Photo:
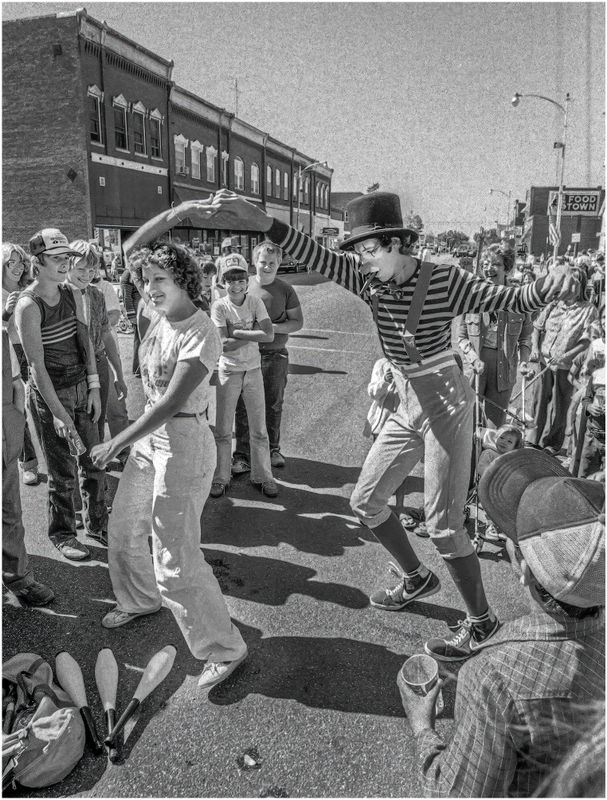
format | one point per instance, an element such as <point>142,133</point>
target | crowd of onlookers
<point>202,320</point>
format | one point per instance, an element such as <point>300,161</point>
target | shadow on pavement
<point>311,522</point>
<point>272,581</point>
<point>306,336</point>
<point>305,369</point>
<point>330,672</point>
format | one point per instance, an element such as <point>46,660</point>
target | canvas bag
<point>47,730</point>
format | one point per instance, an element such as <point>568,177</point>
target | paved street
<point>316,703</point>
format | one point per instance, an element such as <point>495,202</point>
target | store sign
<point>575,204</point>
<point>576,237</point>
<point>330,231</point>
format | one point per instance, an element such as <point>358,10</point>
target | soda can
<point>75,443</point>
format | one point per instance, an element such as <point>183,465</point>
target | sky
<point>413,96</point>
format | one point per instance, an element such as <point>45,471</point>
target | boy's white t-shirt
<point>227,315</point>
<point>166,343</point>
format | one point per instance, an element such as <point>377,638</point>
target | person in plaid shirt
<point>522,702</point>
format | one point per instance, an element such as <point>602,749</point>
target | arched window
<point>307,190</point>
<point>269,181</point>
<point>238,173</point>
<point>285,185</point>
<point>254,178</point>
<point>277,183</point>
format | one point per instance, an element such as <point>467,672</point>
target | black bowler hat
<point>373,215</point>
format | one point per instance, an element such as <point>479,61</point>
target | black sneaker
<point>277,459</point>
<point>405,591</point>
<point>466,640</point>
<point>35,594</point>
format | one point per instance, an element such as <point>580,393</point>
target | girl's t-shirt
<point>227,315</point>
<point>166,343</point>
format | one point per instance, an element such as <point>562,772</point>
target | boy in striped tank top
<point>413,308</point>
<point>65,392</point>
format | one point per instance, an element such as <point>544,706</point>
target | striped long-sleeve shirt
<point>521,704</point>
<point>452,291</point>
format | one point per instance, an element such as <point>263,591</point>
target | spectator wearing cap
<point>230,257</point>
<point>282,304</point>
<point>521,703</point>
<point>243,321</point>
<point>66,401</point>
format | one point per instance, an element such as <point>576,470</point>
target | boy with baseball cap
<point>243,321</point>
<point>522,701</point>
<point>65,396</point>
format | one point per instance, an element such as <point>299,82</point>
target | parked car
<point>289,264</point>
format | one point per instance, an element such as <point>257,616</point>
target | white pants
<point>162,492</point>
<point>230,386</point>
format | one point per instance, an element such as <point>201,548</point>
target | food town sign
<point>580,203</point>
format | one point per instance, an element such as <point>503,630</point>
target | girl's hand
<point>102,454</point>
<point>11,302</point>
<point>121,389</point>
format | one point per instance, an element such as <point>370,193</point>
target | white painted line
<point>321,349</point>
<point>327,330</point>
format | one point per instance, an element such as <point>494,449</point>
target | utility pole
<point>236,93</point>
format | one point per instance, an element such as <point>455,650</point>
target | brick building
<point>97,138</point>
<point>581,220</point>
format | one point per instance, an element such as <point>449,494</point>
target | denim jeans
<point>63,468</point>
<point>162,492</point>
<point>28,459</point>
<point>495,403</point>
<point>434,419</point>
<point>16,573</point>
<point>274,370</point>
<point>230,385</point>
<point>552,404</point>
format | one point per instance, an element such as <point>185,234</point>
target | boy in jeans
<point>243,322</point>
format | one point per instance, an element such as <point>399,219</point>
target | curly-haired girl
<point>168,475</point>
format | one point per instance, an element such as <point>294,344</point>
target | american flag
<point>554,234</point>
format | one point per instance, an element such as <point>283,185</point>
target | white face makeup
<point>383,262</point>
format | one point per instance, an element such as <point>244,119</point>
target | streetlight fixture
<point>300,172</point>
<point>564,109</point>
<point>508,196</point>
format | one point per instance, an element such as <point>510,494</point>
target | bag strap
<point>415,311</point>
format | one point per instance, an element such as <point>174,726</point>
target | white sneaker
<point>215,672</point>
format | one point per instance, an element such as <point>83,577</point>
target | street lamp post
<point>300,172</point>
<point>564,111</point>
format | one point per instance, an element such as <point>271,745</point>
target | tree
<point>413,221</point>
<point>490,236</point>
<point>452,238</point>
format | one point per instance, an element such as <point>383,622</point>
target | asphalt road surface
<point>315,705</point>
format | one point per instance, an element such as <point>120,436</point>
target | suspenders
<point>417,304</point>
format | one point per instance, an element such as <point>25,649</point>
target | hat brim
<point>504,482</point>
<point>59,251</point>
<point>352,240</point>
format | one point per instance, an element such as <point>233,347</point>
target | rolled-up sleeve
<point>480,760</point>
